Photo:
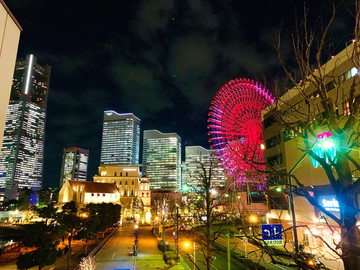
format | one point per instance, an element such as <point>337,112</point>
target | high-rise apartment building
<point>9,40</point>
<point>162,160</point>
<point>74,165</point>
<point>198,158</point>
<point>121,139</point>
<point>22,152</point>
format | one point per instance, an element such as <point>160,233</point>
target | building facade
<point>121,139</point>
<point>74,164</point>
<point>10,31</point>
<point>127,180</point>
<point>85,192</point>
<point>162,160</point>
<point>196,158</point>
<point>284,148</point>
<point>22,152</point>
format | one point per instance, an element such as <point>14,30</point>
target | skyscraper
<point>121,139</point>
<point>74,164</point>
<point>162,159</point>
<point>198,158</point>
<point>22,152</point>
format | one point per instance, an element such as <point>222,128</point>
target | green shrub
<point>169,255</point>
<point>161,245</point>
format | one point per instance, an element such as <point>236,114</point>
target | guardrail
<point>12,226</point>
<point>102,243</point>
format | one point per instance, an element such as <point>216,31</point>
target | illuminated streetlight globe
<point>235,128</point>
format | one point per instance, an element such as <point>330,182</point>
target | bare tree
<point>324,99</point>
<point>209,200</point>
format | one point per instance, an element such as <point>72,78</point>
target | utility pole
<point>177,232</point>
<point>228,251</point>
<point>291,201</point>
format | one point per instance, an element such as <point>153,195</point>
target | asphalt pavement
<point>117,252</point>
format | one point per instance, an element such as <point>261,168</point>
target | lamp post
<point>187,245</point>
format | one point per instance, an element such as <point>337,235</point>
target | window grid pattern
<point>196,158</point>
<point>162,160</point>
<point>120,141</point>
<point>22,153</point>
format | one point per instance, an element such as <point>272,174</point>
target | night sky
<point>162,60</point>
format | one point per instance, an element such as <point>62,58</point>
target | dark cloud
<point>162,60</point>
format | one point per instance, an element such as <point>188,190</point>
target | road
<point>116,253</point>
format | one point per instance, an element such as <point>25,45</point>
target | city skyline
<point>162,61</point>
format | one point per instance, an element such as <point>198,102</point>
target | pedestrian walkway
<point>117,252</point>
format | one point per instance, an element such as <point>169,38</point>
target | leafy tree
<point>26,261</point>
<point>69,222</point>
<point>48,212</point>
<point>43,238</point>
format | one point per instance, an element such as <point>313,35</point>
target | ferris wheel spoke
<point>235,125</point>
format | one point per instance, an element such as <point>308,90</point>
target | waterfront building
<point>162,160</point>
<point>120,139</point>
<point>74,164</point>
<point>22,152</point>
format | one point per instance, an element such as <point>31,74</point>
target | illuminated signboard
<point>330,204</point>
<point>327,144</point>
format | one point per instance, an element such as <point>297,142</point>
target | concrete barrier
<point>102,243</point>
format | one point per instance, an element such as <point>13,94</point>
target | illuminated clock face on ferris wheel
<point>235,128</point>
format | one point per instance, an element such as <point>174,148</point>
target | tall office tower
<point>197,158</point>
<point>121,139</point>
<point>74,165</point>
<point>21,161</point>
<point>9,40</point>
<point>162,160</point>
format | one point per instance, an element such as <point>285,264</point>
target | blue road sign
<point>272,234</point>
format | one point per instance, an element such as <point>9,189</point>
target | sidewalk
<point>116,253</point>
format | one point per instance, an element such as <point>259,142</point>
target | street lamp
<point>253,219</point>
<point>187,245</point>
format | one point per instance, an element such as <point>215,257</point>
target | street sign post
<point>272,234</point>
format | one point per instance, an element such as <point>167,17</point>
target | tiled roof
<point>94,187</point>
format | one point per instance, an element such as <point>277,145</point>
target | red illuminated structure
<point>235,129</point>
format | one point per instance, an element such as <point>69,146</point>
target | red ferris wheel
<point>235,128</point>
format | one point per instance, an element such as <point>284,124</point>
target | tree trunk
<point>350,233</point>
<point>69,252</point>
<point>86,245</point>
